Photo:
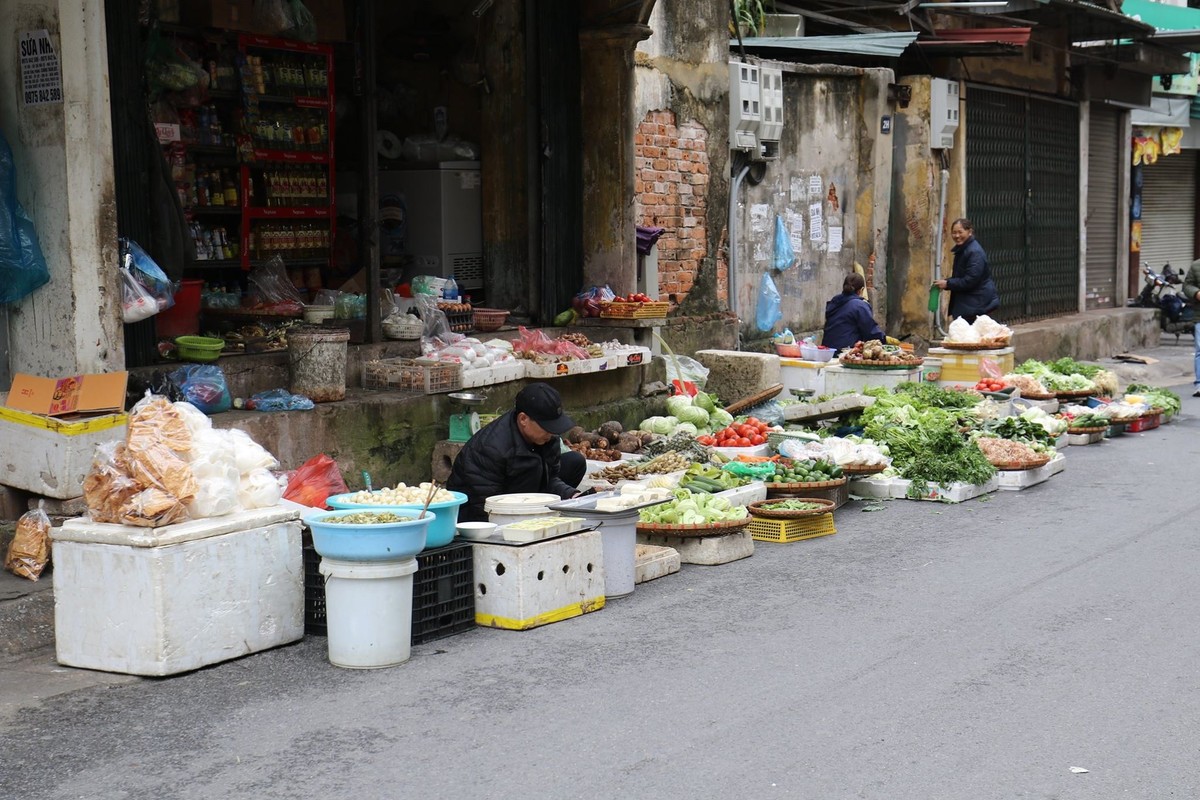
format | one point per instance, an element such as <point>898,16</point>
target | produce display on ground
<point>1065,375</point>
<point>632,470</point>
<point>1010,453</point>
<point>750,433</point>
<point>878,353</point>
<point>1158,397</point>
<point>807,471</point>
<point>607,442</point>
<point>692,508</point>
<point>709,478</point>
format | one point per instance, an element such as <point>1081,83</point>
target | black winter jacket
<point>498,460</point>
<point>848,320</point>
<point>972,291</point>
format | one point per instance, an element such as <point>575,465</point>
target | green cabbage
<point>685,427</point>
<point>696,416</point>
<point>719,419</point>
<point>678,403</point>
<point>663,425</point>
<point>706,401</point>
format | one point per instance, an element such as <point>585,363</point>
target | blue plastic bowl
<point>445,513</point>
<point>388,541</point>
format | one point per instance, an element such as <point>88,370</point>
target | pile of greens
<point>928,395</point>
<point>1020,429</point>
<point>1165,399</point>
<point>688,508</point>
<point>1056,381</point>
<point>926,444</point>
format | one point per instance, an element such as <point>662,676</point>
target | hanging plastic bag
<point>137,303</point>
<point>687,375</point>
<point>148,273</point>
<point>29,551</point>
<point>204,386</point>
<point>22,265</point>
<point>785,256</point>
<point>303,27</point>
<point>271,16</point>
<point>769,310</point>
<point>275,290</point>
<point>316,480</point>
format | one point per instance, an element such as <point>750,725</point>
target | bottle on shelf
<point>450,290</point>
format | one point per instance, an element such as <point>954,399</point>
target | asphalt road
<point>926,651</point>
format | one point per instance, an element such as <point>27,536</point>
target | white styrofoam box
<point>1057,464</point>
<point>753,451</point>
<point>1049,406</point>
<point>497,373</point>
<point>1085,438</point>
<point>795,373</point>
<point>706,550</point>
<point>871,487</point>
<point>840,379</point>
<point>48,456</point>
<point>558,370</point>
<point>744,495</point>
<point>1016,479</point>
<point>160,601</point>
<point>517,588</point>
<point>1061,442</point>
<point>954,493</point>
<point>632,357</point>
<point>655,562</point>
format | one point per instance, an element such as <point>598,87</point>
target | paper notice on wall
<point>759,217</point>
<point>835,239</point>
<point>816,223</point>
<point>795,223</point>
<point>41,76</point>
<point>796,189</point>
<point>816,186</point>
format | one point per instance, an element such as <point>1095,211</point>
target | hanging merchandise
<point>302,25</point>
<point>785,256</point>
<point>147,272</point>
<point>22,265</point>
<point>137,303</point>
<point>769,309</point>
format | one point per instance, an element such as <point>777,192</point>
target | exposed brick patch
<point>671,186</point>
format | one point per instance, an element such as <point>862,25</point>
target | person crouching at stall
<point>848,317</point>
<point>519,452</point>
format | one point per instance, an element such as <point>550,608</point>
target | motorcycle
<point>1176,315</point>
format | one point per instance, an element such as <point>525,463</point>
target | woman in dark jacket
<point>848,317</point>
<point>972,291</point>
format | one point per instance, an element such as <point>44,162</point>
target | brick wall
<point>671,188</point>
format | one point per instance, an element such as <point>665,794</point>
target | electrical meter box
<point>770,128</point>
<point>943,112</point>
<point>745,106</point>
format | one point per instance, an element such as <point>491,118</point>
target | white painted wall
<point>64,165</point>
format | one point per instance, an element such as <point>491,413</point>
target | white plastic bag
<point>137,303</point>
<point>259,489</point>
<point>214,464</point>
<point>250,455</point>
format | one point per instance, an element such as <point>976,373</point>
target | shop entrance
<point>1023,197</point>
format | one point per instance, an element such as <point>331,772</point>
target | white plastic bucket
<point>504,509</point>
<point>620,557</point>
<point>368,611</point>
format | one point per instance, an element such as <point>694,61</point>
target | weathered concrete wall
<point>833,178</point>
<point>681,105</point>
<point>1088,336</point>
<point>63,154</point>
<point>916,199</point>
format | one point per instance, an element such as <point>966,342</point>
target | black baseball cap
<point>543,404</point>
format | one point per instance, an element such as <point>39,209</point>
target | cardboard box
<point>232,15</point>
<point>76,394</point>
<point>963,366</point>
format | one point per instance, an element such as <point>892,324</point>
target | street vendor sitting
<point>848,317</point>
<point>519,452</point>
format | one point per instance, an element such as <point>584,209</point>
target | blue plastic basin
<point>388,541</point>
<point>445,513</point>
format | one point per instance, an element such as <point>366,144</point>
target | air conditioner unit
<point>745,106</point>
<point>943,113</point>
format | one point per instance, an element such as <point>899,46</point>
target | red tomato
<point>745,429</point>
<point>743,442</point>
<point>757,439</point>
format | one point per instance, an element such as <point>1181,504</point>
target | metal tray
<point>586,506</point>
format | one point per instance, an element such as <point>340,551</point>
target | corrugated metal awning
<point>879,45</point>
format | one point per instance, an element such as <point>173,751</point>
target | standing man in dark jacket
<point>972,291</point>
<point>848,317</point>
<point>518,452</point>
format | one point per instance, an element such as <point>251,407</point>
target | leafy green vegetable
<point>925,444</point>
<point>926,395</point>
<point>1165,399</point>
<point>689,508</point>
<point>1019,429</point>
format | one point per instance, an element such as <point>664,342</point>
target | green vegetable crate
<point>783,531</point>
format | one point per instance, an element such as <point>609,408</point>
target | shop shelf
<point>215,211</point>
<point>291,156</point>
<point>289,212</point>
<point>443,592</point>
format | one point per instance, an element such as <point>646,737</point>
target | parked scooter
<point>1159,291</point>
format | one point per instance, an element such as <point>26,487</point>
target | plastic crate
<point>314,594</point>
<point>790,530</point>
<point>407,375</point>
<point>1147,423</point>
<point>443,592</point>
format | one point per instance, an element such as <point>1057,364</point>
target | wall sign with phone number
<point>41,74</point>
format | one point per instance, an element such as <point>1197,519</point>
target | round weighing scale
<point>464,425</point>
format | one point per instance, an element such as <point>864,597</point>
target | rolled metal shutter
<point>1104,164</point>
<point>1169,211</point>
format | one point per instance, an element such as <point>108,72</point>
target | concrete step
<point>26,614</point>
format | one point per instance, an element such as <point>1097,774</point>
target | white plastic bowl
<point>475,531</point>
<point>809,353</point>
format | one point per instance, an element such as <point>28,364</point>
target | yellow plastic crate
<point>790,530</point>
